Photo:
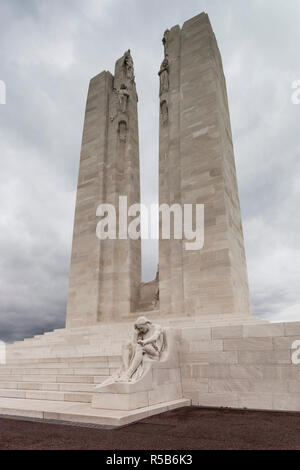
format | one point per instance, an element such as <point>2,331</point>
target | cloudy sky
<point>49,51</point>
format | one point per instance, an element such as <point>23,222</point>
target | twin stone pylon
<point>196,166</point>
<point>105,274</point>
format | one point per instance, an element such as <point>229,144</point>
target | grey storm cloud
<point>49,52</point>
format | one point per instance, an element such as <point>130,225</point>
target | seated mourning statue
<point>148,342</point>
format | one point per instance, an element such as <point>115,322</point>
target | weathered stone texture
<point>197,166</point>
<point>105,274</point>
<point>254,369</point>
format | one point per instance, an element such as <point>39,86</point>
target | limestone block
<point>264,357</point>
<point>286,401</point>
<point>196,384</point>
<point>205,346</point>
<point>267,386</point>
<point>164,393</point>
<point>7,378</point>
<point>229,385</point>
<point>41,378</point>
<point>78,397</point>
<point>65,372</point>
<point>228,357</point>
<point>193,396</point>
<point>285,342</point>
<point>9,385</point>
<point>293,386</point>
<point>73,378</point>
<point>252,372</point>
<point>28,386</point>
<point>210,371</point>
<point>258,401</point>
<point>292,329</point>
<point>248,344</point>
<point>95,371</point>
<point>52,387</point>
<point>256,331</point>
<point>186,371</point>
<point>120,401</point>
<point>44,395</point>
<point>223,400</point>
<point>225,332</point>
<point>22,413</point>
<point>281,372</point>
<point>196,334</point>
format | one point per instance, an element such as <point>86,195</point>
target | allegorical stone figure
<point>148,341</point>
<point>123,96</point>
<point>164,76</point>
<point>164,112</point>
<point>128,65</point>
<point>122,129</point>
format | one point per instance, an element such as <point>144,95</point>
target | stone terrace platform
<point>225,361</point>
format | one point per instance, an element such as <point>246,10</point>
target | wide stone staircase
<point>59,379</point>
<point>53,376</point>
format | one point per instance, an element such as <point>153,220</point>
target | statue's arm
<point>155,336</point>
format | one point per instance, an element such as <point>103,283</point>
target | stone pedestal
<point>161,382</point>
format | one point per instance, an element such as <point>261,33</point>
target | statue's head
<point>142,324</point>
<point>127,55</point>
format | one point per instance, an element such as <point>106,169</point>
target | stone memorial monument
<point>195,339</point>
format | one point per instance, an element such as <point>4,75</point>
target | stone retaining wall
<point>241,366</point>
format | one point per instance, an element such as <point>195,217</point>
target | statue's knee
<point>139,349</point>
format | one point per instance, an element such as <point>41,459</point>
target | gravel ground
<point>183,429</point>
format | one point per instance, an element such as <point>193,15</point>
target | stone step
<point>74,371</point>
<point>81,397</point>
<point>65,360</point>
<point>95,340</point>
<point>102,341</point>
<point>107,333</point>
<point>62,371</point>
<point>76,412</point>
<point>54,378</point>
<point>52,386</point>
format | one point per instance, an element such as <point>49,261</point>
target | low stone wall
<point>244,366</point>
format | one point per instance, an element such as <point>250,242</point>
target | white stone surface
<point>81,413</point>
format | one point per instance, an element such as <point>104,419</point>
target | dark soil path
<point>183,429</point>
